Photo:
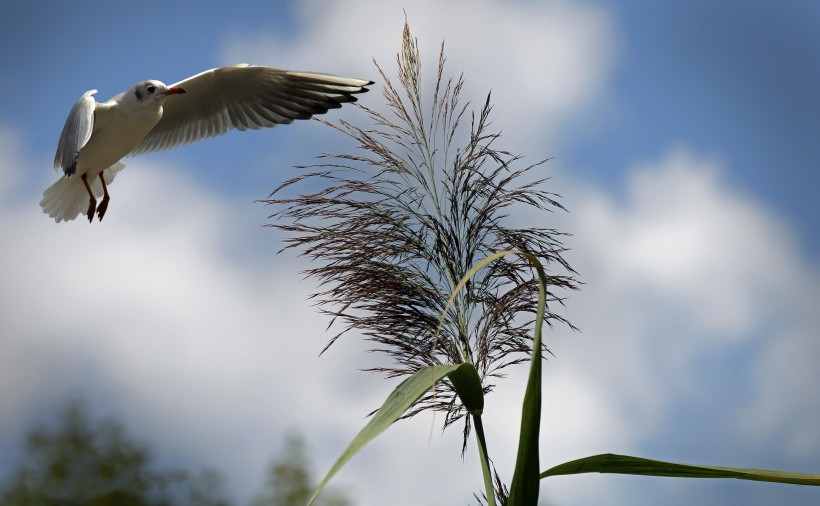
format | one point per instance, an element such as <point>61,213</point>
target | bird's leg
<point>92,206</point>
<point>104,204</point>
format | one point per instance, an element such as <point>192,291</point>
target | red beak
<point>174,91</point>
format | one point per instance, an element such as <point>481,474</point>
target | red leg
<point>104,204</point>
<point>91,205</point>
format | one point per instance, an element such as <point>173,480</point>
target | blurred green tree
<point>97,464</point>
<point>79,462</point>
<point>289,481</point>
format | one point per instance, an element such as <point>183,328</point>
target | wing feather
<point>245,97</point>
<point>76,132</point>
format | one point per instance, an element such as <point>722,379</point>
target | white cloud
<point>544,61</point>
<point>208,358</point>
<point>150,314</point>
<point>785,410</point>
<point>687,237</point>
<point>681,271</point>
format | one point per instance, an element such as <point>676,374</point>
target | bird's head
<point>152,91</point>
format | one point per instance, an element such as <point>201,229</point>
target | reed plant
<point>414,246</point>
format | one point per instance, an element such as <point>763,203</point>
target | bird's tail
<point>67,198</point>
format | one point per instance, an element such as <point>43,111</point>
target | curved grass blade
<point>624,464</point>
<point>525,482</point>
<point>463,281</point>
<point>397,403</point>
<point>467,382</point>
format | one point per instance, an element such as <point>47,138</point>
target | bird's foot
<point>92,206</point>
<point>102,208</point>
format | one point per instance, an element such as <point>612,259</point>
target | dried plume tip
<point>392,229</point>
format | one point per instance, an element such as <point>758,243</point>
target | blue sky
<point>733,78</point>
<point>684,143</point>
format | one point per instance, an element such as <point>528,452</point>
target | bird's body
<point>119,126</point>
<point>151,116</point>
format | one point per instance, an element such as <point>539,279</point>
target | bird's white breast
<point>118,128</point>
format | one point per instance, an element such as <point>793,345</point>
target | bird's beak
<point>174,91</point>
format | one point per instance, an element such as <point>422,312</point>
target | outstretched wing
<point>243,97</point>
<point>76,132</point>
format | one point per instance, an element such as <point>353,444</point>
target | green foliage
<point>624,464</point>
<point>80,462</point>
<point>290,483</point>
<point>524,487</point>
<point>83,463</point>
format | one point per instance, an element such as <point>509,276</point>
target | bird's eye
<point>151,89</point>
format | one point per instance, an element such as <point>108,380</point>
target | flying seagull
<point>151,116</point>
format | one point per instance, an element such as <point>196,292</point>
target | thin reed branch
<point>391,229</point>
